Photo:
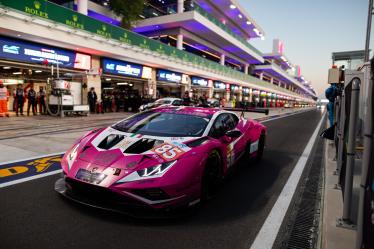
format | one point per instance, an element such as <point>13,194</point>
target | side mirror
<point>233,133</point>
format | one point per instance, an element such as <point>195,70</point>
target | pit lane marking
<point>14,172</point>
<point>268,233</point>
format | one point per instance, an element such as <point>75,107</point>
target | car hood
<point>117,154</point>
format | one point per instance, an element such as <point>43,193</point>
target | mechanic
<point>19,98</point>
<point>4,97</point>
<point>31,96</point>
<point>92,98</point>
<point>331,93</point>
<point>41,97</point>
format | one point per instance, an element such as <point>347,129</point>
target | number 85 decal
<point>168,151</point>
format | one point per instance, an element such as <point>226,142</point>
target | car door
<point>223,123</point>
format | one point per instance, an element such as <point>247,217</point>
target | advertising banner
<point>197,81</point>
<point>165,75</point>
<point>112,66</point>
<point>23,51</point>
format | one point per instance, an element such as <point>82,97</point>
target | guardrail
<point>59,14</point>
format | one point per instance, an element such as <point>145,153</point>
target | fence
<point>353,122</point>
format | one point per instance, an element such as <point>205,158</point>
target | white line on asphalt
<point>32,158</point>
<point>269,230</point>
<point>5,184</point>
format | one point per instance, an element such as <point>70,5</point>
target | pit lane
<point>33,216</point>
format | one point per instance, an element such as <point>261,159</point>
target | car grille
<point>99,194</point>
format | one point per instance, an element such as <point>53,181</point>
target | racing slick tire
<point>212,176</point>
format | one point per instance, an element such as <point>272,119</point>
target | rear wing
<point>247,109</point>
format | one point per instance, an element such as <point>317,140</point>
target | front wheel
<point>211,177</point>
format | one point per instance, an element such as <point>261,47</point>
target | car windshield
<point>163,101</point>
<point>164,124</point>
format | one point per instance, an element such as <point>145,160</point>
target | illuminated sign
<point>36,53</point>
<point>197,81</point>
<point>122,68</point>
<point>234,88</point>
<point>165,75</point>
<point>256,92</point>
<point>11,81</point>
<point>219,85</point>
<point>147,73</point>
<point>246,91</point>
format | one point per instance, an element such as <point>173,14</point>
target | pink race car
<point>159,159</point>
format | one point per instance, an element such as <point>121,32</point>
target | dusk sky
<point>311,30</point>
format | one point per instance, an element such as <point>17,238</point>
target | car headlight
<point>148,173</point>
<point>159,169</point>
<point>72,155</point>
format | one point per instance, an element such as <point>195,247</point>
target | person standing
<point>92,99</point>
<point>331,94</point>
<point>31,96</point>
<point>19,98</point>
<point>222,102</point>
<point>4,97</point>
<point>186,99</point>
<point>41,97</point>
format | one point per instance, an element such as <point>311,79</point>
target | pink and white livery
<point>159,159</point>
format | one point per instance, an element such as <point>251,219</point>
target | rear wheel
<point>211,177</point>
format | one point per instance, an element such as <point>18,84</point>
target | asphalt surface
<point>34,216</point>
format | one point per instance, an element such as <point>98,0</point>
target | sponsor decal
<point>22,169</point>
<point>170,151</point>
<point>181,145</point>
<point>74,22</point>
<point>125,38</point>
<point>157,158</point>
<point>35,10</point>
<point>103,32</point>
<point>117,172</point>
<point>11,49</point>
<point>136,135</point>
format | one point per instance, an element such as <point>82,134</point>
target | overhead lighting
<point>249,23</point>
<point>15,73</point>
<point>19,35</point>
<point>108,79</point>
<point>108,88</point>
<point>130,84</point>
<point>240,16</point>
<point>122,83</point>
<point>232,6</point>
<point>38,71</point>
<point>6,67</point>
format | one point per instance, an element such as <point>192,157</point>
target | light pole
<point>368,29</point>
